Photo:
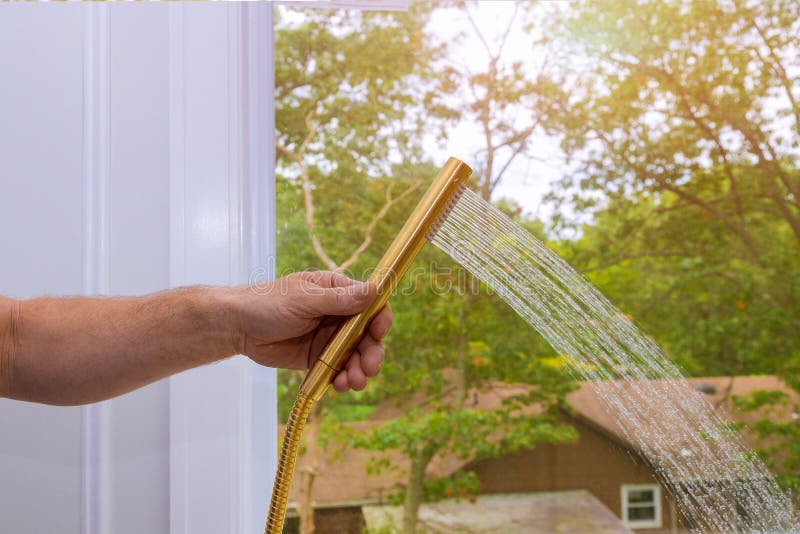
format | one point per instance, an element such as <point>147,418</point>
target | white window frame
<point>625,490</point>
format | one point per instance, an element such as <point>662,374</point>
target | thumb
<point>344,300</point>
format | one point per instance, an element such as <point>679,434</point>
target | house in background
<point>599,478</point>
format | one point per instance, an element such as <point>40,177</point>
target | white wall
<point>40,236</point>
<point>135,155</point>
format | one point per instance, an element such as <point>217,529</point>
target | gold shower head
<point>423,223</point>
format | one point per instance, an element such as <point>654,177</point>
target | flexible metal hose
<point>283,475</point>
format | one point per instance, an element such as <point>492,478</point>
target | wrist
<point>214,312</point>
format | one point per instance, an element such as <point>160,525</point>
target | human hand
<point>287,322</point>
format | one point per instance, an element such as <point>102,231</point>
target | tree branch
<point>780,71</point>
<point>756,138</point>
<point>735,227</point>
<point>308,197</point>
<point>478,32</point>
<point>523,138</point>
<point>308,204</point>
<point>387,205</point>
<point>504,37</point>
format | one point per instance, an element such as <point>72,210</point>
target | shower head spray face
<point>421,225</point>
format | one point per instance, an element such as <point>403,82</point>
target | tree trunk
<point>460,348</point>
<point>415,489</point>
<point>309,470</point>
<point>306,506</point>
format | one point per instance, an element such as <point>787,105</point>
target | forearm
<point>79,350</point>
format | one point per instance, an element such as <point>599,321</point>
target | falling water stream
<point>718,484</point>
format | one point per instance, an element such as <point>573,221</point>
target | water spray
<point>420,227</point>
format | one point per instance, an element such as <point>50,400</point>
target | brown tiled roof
<point>718,391</point>
<point>344,478</point>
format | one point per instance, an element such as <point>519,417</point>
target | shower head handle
<point>423,222</point>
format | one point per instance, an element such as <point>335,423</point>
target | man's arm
<point>79,350</point>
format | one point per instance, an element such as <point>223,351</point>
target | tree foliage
<point>681,127</point>
<point>679,124</point>
<point>777,437</point>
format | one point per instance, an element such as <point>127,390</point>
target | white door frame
<point>222,417</point>
<point>95,418</point>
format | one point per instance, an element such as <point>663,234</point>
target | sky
<point>526,181</point>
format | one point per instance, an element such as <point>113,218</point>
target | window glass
<point>639,496</point>
<point>647,512</point>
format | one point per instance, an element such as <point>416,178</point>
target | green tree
<point>675,273</point>
<point>776,435</point>
<point>681,130</point>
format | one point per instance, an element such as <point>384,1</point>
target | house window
<point>641,505</point>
